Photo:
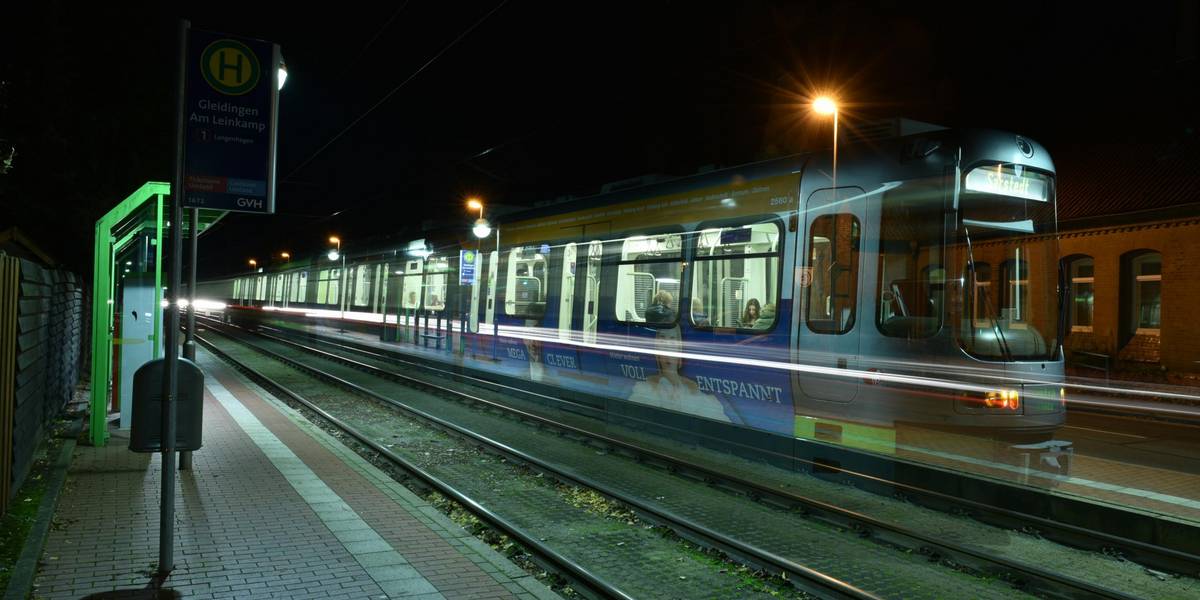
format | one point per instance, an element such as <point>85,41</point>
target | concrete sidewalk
<point>273,507</point>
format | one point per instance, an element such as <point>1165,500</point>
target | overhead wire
<point>395,89</point>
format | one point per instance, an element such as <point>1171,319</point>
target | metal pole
<point>343,295</point>
<point>166,522</point>
<point>496,309</point>
<point>189,342</point>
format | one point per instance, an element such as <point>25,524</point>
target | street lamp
<point>827,105</point>
<point>334,254</point>
<point>285,256</point>
<point>481,230</point>
<point>253,263</point>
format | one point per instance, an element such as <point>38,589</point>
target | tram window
<point>237,288</point>
<point>1083,292</point>
<point>912,279</point>
<point>982,301</point>
<point>362,284</point>
<point>648,279</point>
<point>833,261</point>
<point>302,287</point>
<point>328,282</point>
<point>279,287</point>
<point>436,274</point>
<point>735,277</point>
<point>1014,308</point>
<point>525,286</point>
<point>293,280</point>
<point>410,294</point>
<point>261,288</point>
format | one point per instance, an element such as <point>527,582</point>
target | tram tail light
<point>1006,399</point>
<point>990,402</point>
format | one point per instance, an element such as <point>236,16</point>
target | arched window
<point>1081,271</point>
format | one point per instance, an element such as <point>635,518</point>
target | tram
<point>914,281</point>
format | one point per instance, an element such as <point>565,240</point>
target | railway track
<point>1179,558</point>
<point>1023,577</point>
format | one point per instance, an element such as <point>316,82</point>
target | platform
<point>273,507</point>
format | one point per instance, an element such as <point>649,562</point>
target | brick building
<point>1130,246</point>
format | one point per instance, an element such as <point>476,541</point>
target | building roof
<point>1127,182</point>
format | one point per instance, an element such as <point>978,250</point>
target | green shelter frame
<point>143,211</point>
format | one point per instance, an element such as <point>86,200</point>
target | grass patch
<point>22,513</point>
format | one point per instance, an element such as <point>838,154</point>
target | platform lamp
<point>334,254</point>
<point>827,105</point>
<point>481,230</point>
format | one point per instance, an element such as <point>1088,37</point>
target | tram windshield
<point>1007,255</point>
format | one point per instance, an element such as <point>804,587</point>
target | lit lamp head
<point>253,263</point>
<point>825,105</point>
<point>333,255</point>
<point>482,228</point>
<point>285,255</point>
<point>282,73</point>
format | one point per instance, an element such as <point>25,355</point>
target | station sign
<point>231,101</point>
<point>466,267</point>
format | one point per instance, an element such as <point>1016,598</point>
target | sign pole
<point>166,523</point>
<point>189,341</point>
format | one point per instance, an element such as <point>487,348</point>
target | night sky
<point>541,100</point>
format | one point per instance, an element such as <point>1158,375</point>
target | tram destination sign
<point>231,100</point>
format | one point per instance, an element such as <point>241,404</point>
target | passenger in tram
<point>767,318</point>
<point>670,389</point>
<point>660,310</point>
<point>699,316</point>
<point>750,315</point>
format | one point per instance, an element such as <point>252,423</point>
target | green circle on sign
<point>469,255</point>
<point>230,67</point>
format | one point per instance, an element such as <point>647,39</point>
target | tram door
<point>591,293</point>
<point>475,293</point>
<point>490,309</point>
<point>567,291</point>
<point>829,276</point>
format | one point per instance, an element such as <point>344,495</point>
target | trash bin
<point>146,429</point>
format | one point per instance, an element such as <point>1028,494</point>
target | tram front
<point>1008,312</point>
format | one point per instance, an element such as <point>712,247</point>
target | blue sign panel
<point>466,267</point>
<point>230,117</point>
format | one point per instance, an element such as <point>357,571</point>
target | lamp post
<point>334,255</point>
<point>826,105</point>
<point>481,230</point>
